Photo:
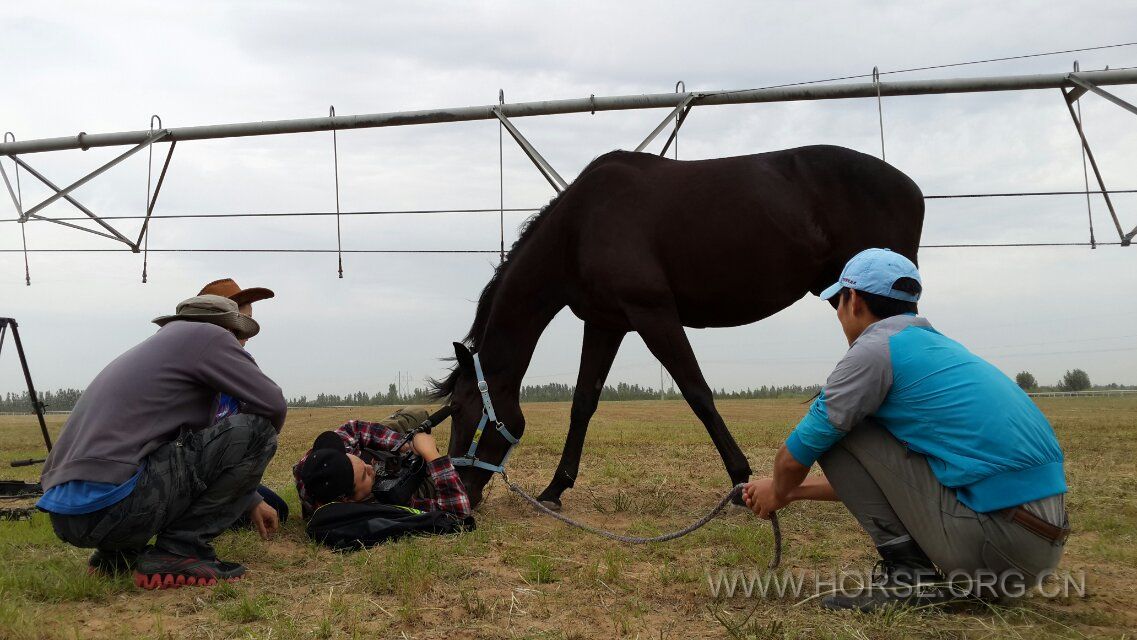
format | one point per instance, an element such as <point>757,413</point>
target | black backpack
<point>350,526</point>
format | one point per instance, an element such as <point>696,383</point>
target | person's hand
<point>424,445</point>
<point>760,497</point>
<point>265,519</point>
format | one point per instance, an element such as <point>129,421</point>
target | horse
<point>648,244</point>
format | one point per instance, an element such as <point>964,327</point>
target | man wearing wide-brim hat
<point>140,457</point>
<point>269,510</point>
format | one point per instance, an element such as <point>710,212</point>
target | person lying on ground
<point>335,469</point>
<point>139,455</point>
<point>269,510</point>
<point>947,465</point>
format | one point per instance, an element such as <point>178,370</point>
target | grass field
<point>649,467</point>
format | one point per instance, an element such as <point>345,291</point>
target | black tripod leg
<point>37,406</point>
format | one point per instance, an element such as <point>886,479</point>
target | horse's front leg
<point>597,353</point>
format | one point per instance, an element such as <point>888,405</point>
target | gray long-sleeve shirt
<point>146,396</point>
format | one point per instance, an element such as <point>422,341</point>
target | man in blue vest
<point>946,464</point>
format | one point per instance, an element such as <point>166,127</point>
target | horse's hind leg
<point>661,330</point>
<point>597,353</point>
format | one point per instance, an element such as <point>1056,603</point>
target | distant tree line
<point>550,392</point>
<point>1072,380</point>
<point>560,392</point>
<point>65,399</point>
<point>61,400</point>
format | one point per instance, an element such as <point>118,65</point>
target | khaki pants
<point>893,493</point>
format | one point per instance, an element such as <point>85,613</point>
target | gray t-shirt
<point>148,395</point>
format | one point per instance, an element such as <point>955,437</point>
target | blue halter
<point>488,416</point>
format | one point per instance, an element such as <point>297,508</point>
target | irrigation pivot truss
<point>1072,86</point>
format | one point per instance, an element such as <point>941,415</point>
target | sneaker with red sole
<point>161,570</point>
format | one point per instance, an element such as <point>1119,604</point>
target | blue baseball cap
<point>876,271</point>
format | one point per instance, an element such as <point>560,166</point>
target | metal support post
<point>542,165</point>
<point>1125,239</point>
<point>676,113</point>
<point>37,406</point>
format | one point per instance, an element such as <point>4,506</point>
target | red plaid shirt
<point>358,435</point>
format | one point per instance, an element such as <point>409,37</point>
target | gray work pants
<point>893,493</point>
<point>190,490</point>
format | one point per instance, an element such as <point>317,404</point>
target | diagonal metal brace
<point>62,193</point>
<point>113,235</point>
<point>674,137</point>
<point>675,113</point>
<point>1085,85</point>
<point>15,201</point>
<point>542,165</point>
<point>154,198</point>
<point>1125,238</point>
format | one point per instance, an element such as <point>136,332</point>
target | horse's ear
<point>464,357</point>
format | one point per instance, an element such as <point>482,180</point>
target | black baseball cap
<point>327,473</point>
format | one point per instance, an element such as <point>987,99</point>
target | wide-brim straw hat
<point>214,310</point>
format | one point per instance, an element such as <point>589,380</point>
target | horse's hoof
<point>551,505</point>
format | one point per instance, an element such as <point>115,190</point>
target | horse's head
<point>467,402</point>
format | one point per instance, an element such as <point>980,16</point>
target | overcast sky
<point>102,67</point>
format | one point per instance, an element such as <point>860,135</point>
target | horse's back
<point>757,230</point>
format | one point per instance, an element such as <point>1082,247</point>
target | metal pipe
<point>580,105</point>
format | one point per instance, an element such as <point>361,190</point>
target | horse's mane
<point>442,388</point>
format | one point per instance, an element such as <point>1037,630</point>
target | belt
<point>1038,526</point>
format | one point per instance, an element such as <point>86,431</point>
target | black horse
<point>647,244</point>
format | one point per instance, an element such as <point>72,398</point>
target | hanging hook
<point>879,108</point>
<point>680,87</point>
<point>592,101</point>
<point>336,167</point>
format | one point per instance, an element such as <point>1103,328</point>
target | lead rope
<point>698,524</point>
